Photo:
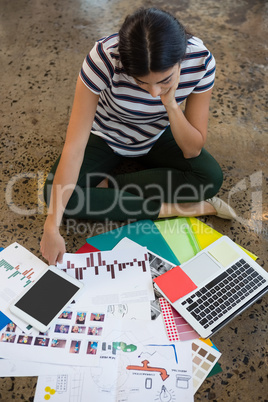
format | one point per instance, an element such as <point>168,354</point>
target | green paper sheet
<point>179,235</point>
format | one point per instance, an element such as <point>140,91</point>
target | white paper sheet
<point>22,368</point>
<point>111,277</point>
<point>141,365</point>
<point>204,358</point>
<point>18,269</point>
<point>158,266</point>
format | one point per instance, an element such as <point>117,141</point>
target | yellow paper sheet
<point>207,235</point>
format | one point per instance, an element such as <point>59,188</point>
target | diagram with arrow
<point>145,367</point>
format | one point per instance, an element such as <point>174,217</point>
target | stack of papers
<point>115,341</point>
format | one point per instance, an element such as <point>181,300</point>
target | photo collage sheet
<point>73,333</point>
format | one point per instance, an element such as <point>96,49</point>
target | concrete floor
<point>43,44</point>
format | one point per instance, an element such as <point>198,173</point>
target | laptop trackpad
<point>200,268</point>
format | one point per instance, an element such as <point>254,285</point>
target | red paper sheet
<point>87,248</point>
<point>175,284</point>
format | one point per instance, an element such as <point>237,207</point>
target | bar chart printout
<point>114,273</point>
<point>18,269</point>
<point>95,261</point>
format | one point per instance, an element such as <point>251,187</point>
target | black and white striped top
<point>128,118</point>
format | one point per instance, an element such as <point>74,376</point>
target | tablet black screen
<point>47,297</point>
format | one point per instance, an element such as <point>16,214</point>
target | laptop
<point>228,281</point>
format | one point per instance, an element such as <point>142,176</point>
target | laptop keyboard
<point>223,293</point>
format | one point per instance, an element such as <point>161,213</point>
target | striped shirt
<point>128,118</point>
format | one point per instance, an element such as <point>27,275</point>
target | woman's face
<point>158,84</point>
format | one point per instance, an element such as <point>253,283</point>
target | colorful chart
<point>15,271</point>
<point>204,359</point>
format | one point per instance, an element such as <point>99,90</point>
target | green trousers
<point>165,176</point>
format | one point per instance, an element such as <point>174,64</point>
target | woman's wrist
<point>171,106</point>
<point>50,225</point>
<point>174,110</point>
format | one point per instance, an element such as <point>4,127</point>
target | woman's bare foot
<point>212,206</point>
<point>186,209</point>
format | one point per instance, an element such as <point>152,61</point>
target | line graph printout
<point>111,277</point>
<point>18,269</point>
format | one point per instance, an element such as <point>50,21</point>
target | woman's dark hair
<point>151,40</point>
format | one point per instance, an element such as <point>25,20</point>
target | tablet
<point>46,298</point>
